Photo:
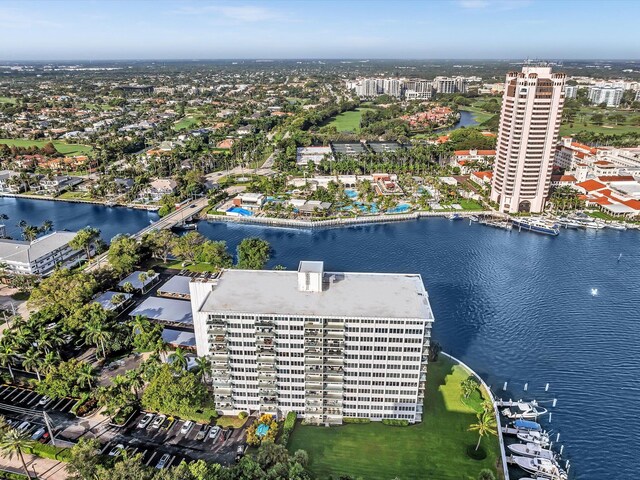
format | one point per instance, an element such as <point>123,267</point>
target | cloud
<point>495,4</point>
<point>238,13</point>
<point>473,4</point>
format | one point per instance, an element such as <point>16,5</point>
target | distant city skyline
<point>463,29</point>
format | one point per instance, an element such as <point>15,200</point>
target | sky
<point>427,29</point>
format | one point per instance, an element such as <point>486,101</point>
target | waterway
<point>466,120</point>
<point>516,307</point>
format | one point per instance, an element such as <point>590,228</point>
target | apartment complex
<point>610,95</point>
<point>529,124</point>
<point>41,256</point>
<point>326,345</point>
<point>407,88</point>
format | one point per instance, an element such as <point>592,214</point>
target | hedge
<point>49,451</point>
<point>395,423</point>
<point>356,420</point>
<point>12,476</point>
<point>290,421</point>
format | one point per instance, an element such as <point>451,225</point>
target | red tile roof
<point>616,178</point>
<point>591,185</point>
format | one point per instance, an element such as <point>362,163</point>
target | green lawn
<point>186,123</point>
<point>478,114</point>
<point>75,196</point>
<point>433,449</point>
<point>62,147</point>
<point>7,100</point>
<point>567,129</point>
<point>348,121</point>
<point>470,204</point>
<point>230,421</point>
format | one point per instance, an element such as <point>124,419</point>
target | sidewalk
<point>44,468</point>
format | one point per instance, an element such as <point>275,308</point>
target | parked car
<point>227,432</point>
<point>159,420</point>
<point>163,461</point>
<point>202,433</point>
<point>45,438</point>
<point>145,420</point>
<point>37,435</point>
<point>239,452</point>
<point>117,450</point>
<point>186,428</point>
<point>24,426</point>
<point>168,423</point>
<point>43,401</point>
<point>214,432</point>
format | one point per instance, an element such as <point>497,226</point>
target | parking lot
<point>25,398</point>
<point>168,438</point>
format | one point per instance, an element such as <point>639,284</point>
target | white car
<point>145,420</point>
<point>43,401</point>
<point>188,425</point>
<point>117,450</point>
<point>37,435</point>
<point>24,426</point>
<point>214,432</point>
<point>163,461</point>
<point>159,420</point>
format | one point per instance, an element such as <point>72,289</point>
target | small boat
<point>616,226</point>
<point>540,466</point>
<point>539,438</point>
<point>185,226</point>
<point>594,292</point>
<point>535,225</point>
<point>531,450</point>
<point>454,216</point>
<point>568,223</point>
<point>474,218</point>
<point>522,410</point>
<point>527,426</point>
<point>591,224</point>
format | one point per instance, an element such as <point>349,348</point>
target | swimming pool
<point>239,212</point>
<point>351,193</point>
<point>402,208</point>
<point>367,207</point>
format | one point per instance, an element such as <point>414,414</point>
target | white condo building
<point>326,345</point>
<point>529,125</point>
<point>610,95</point>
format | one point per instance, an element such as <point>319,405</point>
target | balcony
<point>217,331</point>
<point>312,342</point>
<point>333,403</point>
<point>313,394</point>
<point>334,336</point>
<point>312,332</point>
<point>313,360</point>
<point>268,390</point>
<point>333,370</point>
<point>317,419</point>
<point>335,361</point>
<point>334,326</point>
<point>313,351</point>
<point>316,378</point>
<point>334,343</point>
<point>272,400</point>
<point>267,375</point>
<point>313,324</point>
<point>267,384</point>
<point>218,339</point>
<point>265,368</point>
<point>264,341</point>
<point>313,368</point>
<point>333,352</point>
<point>264,323</point>
<point>334,379</point>
<point>313,410</point>
<point>265,332</point>
<point>266,360</point>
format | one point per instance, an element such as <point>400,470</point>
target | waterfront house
<point>250,201</point>
<point>55,184</point>
<point>159,188</point>
<point>42,255</point>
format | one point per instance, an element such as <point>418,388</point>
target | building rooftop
<point>276,292</point>
<point>105,299</point>
<point>26,252</point>
<point>165,310</point>
<point>178,338</point>
<point>176,285</point>
<point>134,280</point>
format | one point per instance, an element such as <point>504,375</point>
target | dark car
<point>227,432</point>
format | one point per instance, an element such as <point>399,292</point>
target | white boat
<point>454,216</point>
<point>474,218</point>
<point>531,450</point>
<point>536,225</point>
<point>616,226</point>
<point>539,438</point>
<point>541,466</point>
<point>568,223</point>
<point>522,410</point>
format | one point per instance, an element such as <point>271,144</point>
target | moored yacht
<point>568,223</point>
<point>535,225</point>
<point>541,466</point>
<point>522,410</point>
<point>531,450</point>
<point>539,438</point>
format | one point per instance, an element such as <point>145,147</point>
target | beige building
<point>529,124</point>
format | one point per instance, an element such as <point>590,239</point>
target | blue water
<point>403,207</point>
<point>351,193</point>
<point>516,307</point>
<point>240,211</point>
<point>73,216</point>
<point>466,120</point>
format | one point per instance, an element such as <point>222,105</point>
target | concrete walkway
<point>43,468</point>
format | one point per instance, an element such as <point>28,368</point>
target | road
<point>186,211</point>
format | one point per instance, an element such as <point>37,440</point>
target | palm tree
<point>140,325</point>
<point>486,426</point>
<point>179,359</point>
<point>203,367</point>
<point>135,380</point>
<point>15,442</point>
<point>7,357</point>
<point>47,226</point>
<point>86,375</point>
<point>98,334</point>
<point>49,362</point>
<point>31,360</point>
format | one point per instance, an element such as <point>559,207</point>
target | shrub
<point>395,423</point>
<point>290,422</point>
<point>49,451</point>
<point>486,474</point>
<point>356,420</point>
<point>243,415</point>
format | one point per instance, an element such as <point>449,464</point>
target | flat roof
<point>179,338</point>
<point>177,285</point>
<point>105,299</point>
<point>26,252</point>
<point>134,279</point>
<point>381,295</point>
<point>165,310</point>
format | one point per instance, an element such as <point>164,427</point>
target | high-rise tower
<point>529,124</point>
